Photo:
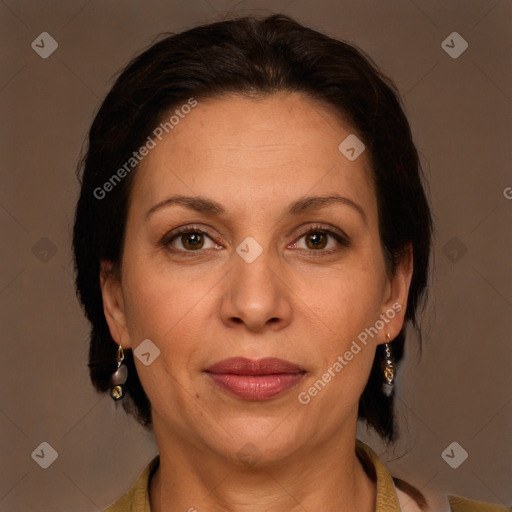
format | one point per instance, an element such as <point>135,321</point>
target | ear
<point>113,303</point>
<point>396,294</point>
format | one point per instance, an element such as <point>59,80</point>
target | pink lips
<point>259,379</point>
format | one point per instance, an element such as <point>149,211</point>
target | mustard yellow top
<point>137,498</point>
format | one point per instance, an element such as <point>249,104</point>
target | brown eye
<point>188,241</point>
<point>320,242</point>
<point>192,240</point>
<point>316,240</point>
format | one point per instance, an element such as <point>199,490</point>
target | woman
<point>251,239</point>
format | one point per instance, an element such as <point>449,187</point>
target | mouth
<point>255,379</point>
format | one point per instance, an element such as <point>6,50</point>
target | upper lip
<point>244,366</point>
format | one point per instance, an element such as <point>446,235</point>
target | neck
<point>327,478</point>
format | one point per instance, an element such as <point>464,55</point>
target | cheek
<point>159,301</point>
<point>343,355</point>
<point>167,310</point>
<point>172,308</point>
<point>349,299</point>
<point>348,303</point>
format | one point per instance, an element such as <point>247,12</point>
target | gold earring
<point>119,376</point>
<point>388,367</point>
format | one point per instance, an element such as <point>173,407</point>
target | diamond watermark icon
<point>454,249</point>
<point>454,45</point>
<point>44,249</point>
<point>45,455</point>
<point>351,147</point>
<point>454,455</point>
<point>147,352</point>
<point>249,453</point>
<point>44,45</point>
<point>249,249</point>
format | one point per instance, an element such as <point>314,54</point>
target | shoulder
<point>137,498</point>
<point>442,503</point>
<point>459,504</point>
<point>446,503</point>
<point>395,494</point>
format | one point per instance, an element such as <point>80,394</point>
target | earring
<point>389,368</point>
<point>119,376</point>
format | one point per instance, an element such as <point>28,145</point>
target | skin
<point>254,156</point>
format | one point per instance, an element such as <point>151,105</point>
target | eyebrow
<point>305,204</point>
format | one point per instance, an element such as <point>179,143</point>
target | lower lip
<point>256,387</point>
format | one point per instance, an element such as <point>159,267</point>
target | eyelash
<point>343,240</point>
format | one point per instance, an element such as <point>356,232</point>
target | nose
<point>256,295</point>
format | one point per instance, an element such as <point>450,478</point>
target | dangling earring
<point>119,376</point>
<point>388,367</point>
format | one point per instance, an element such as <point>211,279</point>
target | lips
<point>252,379</point>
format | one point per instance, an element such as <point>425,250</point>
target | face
<point>264,270</point>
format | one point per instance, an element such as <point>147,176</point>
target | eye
<point>188,240</point>
<point>321,240</point>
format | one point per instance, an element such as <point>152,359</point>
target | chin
<point>263,442</point>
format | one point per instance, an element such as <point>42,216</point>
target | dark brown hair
<point>256,56</point>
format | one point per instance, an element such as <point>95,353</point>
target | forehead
<point>254,149</point>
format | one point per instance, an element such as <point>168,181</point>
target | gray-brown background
<point>460,111</point>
